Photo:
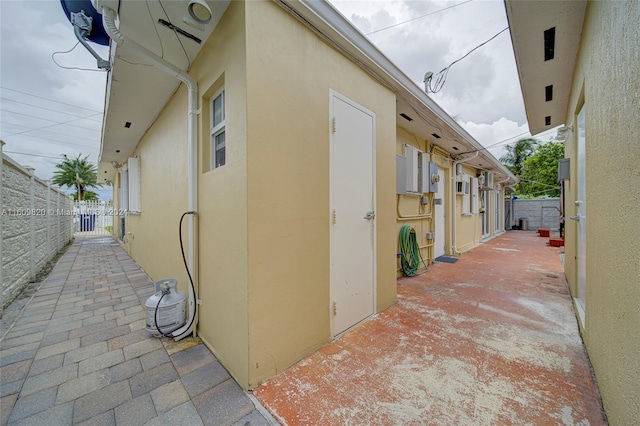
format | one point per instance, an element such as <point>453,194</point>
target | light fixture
<point>199,10</point>
<point>198,14</point>
<point>562,132</point>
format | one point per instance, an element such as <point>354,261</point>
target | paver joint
<point>77,352</point>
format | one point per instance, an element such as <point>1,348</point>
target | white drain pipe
<point>454,215</point>
<point>108,18</point>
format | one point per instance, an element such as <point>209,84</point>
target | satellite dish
<point>97,34</point>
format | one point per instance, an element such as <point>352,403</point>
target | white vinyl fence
<point>92,218</point>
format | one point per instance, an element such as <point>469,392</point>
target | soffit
<point>527,21</point>
<point>136,91</point>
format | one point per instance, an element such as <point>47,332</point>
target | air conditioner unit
<point>485,180</point>
<point>488,179</point>
<point>463,187</point>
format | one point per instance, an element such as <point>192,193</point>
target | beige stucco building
<point>286,140</point>
<point>587,56</point>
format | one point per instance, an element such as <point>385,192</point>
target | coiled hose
<point>410,257</point>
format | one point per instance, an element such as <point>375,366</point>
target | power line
<point>48,99</point>
<point>95,143</point>
<point>66,123</point>
<point>31,155</point>
<point>441,77</point>
<point>494,145</point>
<point>45,127</point>
<point>47,109</point>
<point>418,17</point>
<point>46,131</point>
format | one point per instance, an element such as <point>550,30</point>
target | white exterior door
<point>438,242</point>
<point>581,217</point>
<point>352,213</point>
<point>496,213</point>
<point>486,231</point>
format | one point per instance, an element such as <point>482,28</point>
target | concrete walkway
<point>77,353</point>
<point>489,340</point>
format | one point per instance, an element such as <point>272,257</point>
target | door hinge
<point>333,125</point>
<point>333,216</point>
<point>335,308</point>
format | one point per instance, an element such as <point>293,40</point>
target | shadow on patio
<point>491,339</point>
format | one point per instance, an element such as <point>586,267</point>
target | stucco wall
<point>290,72</point>
<point>152,236</point>
<point>409,205</point>
<point>37,221</point>
<point>469,226</point>
<point>540,213</point>
<point>607,78</point>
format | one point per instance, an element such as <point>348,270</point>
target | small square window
<point>218,134</point>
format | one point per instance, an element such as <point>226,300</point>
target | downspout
<point>501,195</point>
<point>454,201</point>
<point>108,19</point>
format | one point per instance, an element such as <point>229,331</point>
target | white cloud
<point>30,32</point>
<point>481,90</point>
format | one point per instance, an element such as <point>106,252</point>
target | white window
<point>218,136</point>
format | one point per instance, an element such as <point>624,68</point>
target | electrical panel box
<point>425,178</point>
<point>434,177</point>
<point>401,175</point>
<point>424,200</point>
<point>430,235</point>
<point>563,169</point>
<point>411,155</point>
<point>437,201</point>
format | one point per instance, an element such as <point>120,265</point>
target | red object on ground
<point>556,242</point>
<point>543,232</point>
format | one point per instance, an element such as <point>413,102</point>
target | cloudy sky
<point>47,110</point>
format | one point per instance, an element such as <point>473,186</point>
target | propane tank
<point>171,305</point>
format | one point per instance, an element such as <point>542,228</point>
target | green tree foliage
<point>540,171</point>
<point>87,196</point>
<point>517,154</point>
<point>76,172</point>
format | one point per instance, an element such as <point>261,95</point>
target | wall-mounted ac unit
<point>488,179</point>
<point>485,180</point>
<point>463,187</point>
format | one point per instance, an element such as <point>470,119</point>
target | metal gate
<point>92,218</point>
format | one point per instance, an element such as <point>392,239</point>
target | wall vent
<point>549,43</point>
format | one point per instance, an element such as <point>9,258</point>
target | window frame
<point>216,130</point>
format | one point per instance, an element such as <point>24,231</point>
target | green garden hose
<point>410,257</point>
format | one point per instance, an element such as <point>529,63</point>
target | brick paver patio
<point>78,353</point>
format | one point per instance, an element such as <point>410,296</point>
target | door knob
<point>370,215</point>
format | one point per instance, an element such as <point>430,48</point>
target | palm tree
<point>76,172</point>
<point>517,153</point>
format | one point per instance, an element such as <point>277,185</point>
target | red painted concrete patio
<point>489,340</point>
